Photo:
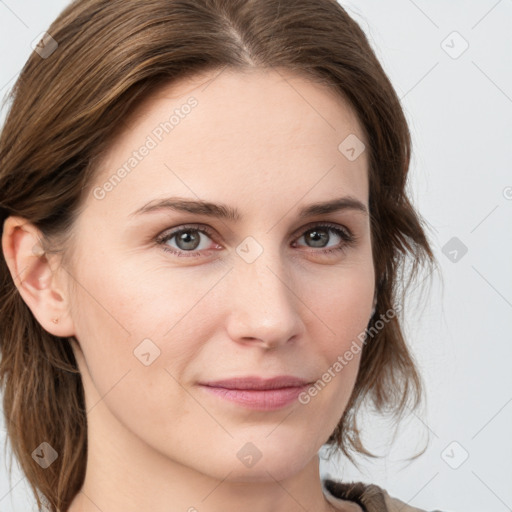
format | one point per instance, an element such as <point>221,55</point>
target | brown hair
<point>111,55</point>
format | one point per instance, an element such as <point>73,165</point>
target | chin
<point>268,471</point>
<point>279,460</point>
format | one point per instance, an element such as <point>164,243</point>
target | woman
<point>204,219</point>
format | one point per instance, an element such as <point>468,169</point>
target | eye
<point>188,239</point>
<point>319,235</point>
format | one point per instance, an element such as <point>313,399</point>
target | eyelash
<point>349,239</point>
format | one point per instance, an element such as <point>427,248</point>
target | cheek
<point>139,324</point>
<point>136,299</point>
<point>343,313</point>
<point>135,350</point>
<point>344,305</point>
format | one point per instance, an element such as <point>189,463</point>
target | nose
<point>264,306</point>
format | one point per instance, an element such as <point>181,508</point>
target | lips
<point>258,393</point>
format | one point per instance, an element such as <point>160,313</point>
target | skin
<point>266,143</point>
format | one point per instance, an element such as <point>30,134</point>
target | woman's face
<point>264,293</point>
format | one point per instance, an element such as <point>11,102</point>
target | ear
<point>36,281</point>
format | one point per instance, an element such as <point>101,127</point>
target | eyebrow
<point>222,211</point>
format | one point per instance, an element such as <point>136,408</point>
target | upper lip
<point>258,383</point>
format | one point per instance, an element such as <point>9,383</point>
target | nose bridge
<point>263,270</point>
<point>263,303</point>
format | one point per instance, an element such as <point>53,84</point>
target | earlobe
<point>34,277</point>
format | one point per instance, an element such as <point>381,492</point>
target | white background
<point>460,115</point>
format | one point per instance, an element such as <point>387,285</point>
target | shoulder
<point>370,497</point>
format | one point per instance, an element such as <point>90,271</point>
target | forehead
<point>260,135</point>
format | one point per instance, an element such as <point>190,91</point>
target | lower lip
<point>262,400</point>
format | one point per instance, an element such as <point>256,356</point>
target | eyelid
<point>169,233</point>
<point>327,224</point>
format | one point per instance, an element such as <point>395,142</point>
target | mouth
<point>258,393</point>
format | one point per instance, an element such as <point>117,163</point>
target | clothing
<point>370,497</point>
